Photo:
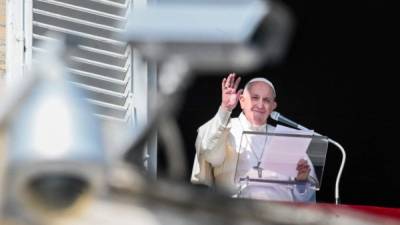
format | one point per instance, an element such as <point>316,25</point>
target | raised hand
<point>303,170</point>
<point>230,95</point>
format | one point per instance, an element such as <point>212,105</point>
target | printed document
<point>282,153</point>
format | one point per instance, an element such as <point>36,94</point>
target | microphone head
<point>275,115</point>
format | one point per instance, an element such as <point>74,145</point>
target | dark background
<point>337,79</point>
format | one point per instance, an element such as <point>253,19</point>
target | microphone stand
<point>337,198</point>
<point>340,147</point>
<point>276,115</point>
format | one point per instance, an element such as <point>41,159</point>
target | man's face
<point>258,102</point>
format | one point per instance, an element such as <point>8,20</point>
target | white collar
<point>246,125</point>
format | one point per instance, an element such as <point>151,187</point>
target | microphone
<point>278,117</point>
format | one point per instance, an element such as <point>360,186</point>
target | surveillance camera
<point>211,35</point>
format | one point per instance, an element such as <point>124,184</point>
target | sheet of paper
<point>282,153</point>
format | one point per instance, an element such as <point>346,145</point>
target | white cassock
<point>217,152</point>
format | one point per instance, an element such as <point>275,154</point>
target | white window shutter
<point>102,64</point>
<point>116,80</point>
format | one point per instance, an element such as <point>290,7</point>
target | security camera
<point>211,35</point>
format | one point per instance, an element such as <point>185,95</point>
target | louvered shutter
<point>101,66</point>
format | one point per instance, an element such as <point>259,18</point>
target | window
<point>116,81</point>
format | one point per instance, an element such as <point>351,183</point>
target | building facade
<point>2,43</point>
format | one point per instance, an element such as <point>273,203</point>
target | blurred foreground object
<point>211,35</point>
<point>54,158</point>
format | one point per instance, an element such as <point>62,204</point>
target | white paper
<point>282,153</point>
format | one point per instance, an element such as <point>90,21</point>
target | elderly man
<point>218,141</point>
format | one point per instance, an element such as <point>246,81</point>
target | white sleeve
<point>212,137</point>
<point>305,193</point>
